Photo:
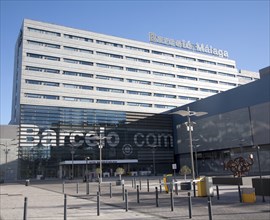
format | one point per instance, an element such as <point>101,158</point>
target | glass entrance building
<point>70,85</point>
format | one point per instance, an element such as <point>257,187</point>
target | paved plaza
<point>45,201</point>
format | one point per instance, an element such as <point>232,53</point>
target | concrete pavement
<point>46,202</point>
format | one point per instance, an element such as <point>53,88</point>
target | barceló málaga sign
<point>188,45</point>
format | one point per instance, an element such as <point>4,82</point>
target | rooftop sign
<point>188,45</point>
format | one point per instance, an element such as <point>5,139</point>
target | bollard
<point>209,208</point>
<point>126,199</point>
<point>123,191</point>
<point>147,185</point>
<point>65,207</point>
<point>140,184</point>
<point>189,205</point>
<point>239,192</point>
<point>25,209</point>
<point>172,202</point>
<point>87,188</point>
<point>110,190</point>
<point>98,204</point>
<point>157,203</point>
<point>194,188</point>
<point>217,192</point>
<point>77,187</point>
<point>160,187</point>
<point>63,187</point>
<point>176,188</point>
<point>138,195</point>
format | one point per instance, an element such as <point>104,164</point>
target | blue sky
<point>240,27</point>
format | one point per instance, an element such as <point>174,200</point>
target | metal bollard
<point>140,184</point>
<point>126,199</point>
<point>77,187</point>
<point>65,207</point>
<point>189,205</point>
<point>147,185</point>
<point>138,195</point>
<point>87,188</point>
<point>63,187</point>
<point>110,190</point>
<point>157,202</point>
<point>239,192</point>
<point>217,192</point>
<point>160,187</point>
<point>209,208</point>
<point>123,191</point>
<point>25,209</point>
<point>194,188</point>
<point>172,202</point>
<point>176,188</point>
<point>98,204</point>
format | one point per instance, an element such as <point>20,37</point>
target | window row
<point>107,43</point>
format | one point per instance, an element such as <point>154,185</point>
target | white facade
<point>61,66</point>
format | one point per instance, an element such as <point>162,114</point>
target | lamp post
<point>72,151</point>
<point>189,125</point>
<point>196,159</point>
<point>86,168</point>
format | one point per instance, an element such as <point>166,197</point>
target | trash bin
<point>201,185</point>
<point>248,195</point>
<point>27,182</point>
<point>168,179</point>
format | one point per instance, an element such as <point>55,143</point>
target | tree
<point>185,170</point>
<point>120,171</point>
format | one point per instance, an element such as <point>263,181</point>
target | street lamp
<point>189,125</point>
<point>260,171</point>
<point>196,159</point>
<point>101,138</point>
<point>72,151</point>
<point>86,168</point>
<point>6,151</point>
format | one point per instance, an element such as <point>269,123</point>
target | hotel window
<point>165,106</point>
<point>78,38</point>
<point>137,49</point>
<point>226,65</point>
<point>227,83</point>
<point>207,62</point>
<point>138,81</point>
<point>110,66</point>
<point>113,102</point>
<point>185,58</point>
<point>137,70</point>
<point>103,89</point>
<point>163,74</point>
<point>164,85</point>
<point>70,73</point>
<point>30,95</point>
<point>188,88</point>
<point>245,77</point>
<point>226,74</point>
<point>109,43</point>
<point>44,31</point>
<point>36,82</point>
<point>40,56</point>
<point>186,67</point>
<point>78,50</point>
<point>74,86</point>
<point>208,81</point>
<point>109,55</point>
<point>75,99</point>
<point>139,104</point>
<point>188,98</point>
<point>187,77</point>
<point>162,53</point>
<point>37,43</point>
<point>78,62</point>
<point>207,71</point>
<point>138,59</point>
<point>163,64</point>
<point>132,92</point>
<point>209,90</point>
<point>165,95</point>
<point>109,78</point>
<point>39,69</point>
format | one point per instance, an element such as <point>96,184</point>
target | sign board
<point>174,166</point>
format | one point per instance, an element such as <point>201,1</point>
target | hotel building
<point>78,93</point>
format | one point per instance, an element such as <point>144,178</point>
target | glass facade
<point>51,136</point>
